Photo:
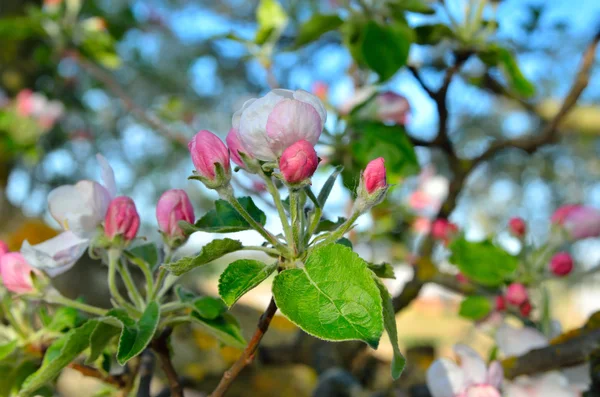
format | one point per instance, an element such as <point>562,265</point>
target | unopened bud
<point>121,219</point>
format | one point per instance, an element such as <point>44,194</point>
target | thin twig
<point>421,82</point>
<point>111,83</point>
<point>115,380</point>
<point>161,347</point>
<point>248,353</point>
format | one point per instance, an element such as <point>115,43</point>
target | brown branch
<point>147,365</point>
<point>113,86</point>
<point>421,82</point>
<point>549,133</point>
<point>115,380</point>
<point>248,353</point>
<point>161,346</point>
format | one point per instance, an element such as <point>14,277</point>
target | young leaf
<point>136,336</point>
<point>389,322</point>
<point>504,59</point>
<point>482,262</point>
<point>432,34</point>
<point>62,318</point>
<point>148,252</point>
<point>208,307</point>
<point>418,6</point>
<point>382,270</point>
<point>385,47</point>
<point>99,339</point>
<point>211,251</point>
<point>329,183</point>
<point>60,354</point>
<point>241,276</point>
<point>7,348</point>
<point>271,17</point>
<point>345,242</point>
<point>325,225</point>
<point>225,219</point>
<point>315,27</point>
<point>333,297</point>
<point>475,307</point>
<point>225,328</point>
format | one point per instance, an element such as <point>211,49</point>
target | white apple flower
<point>79,209</point>
<point>471,378</point>
<point>269,125</point>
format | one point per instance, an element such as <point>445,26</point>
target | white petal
<point>285,93</point>
<point>472,364</point>
<point>253,124</point>
<point>57,255</point>
<point>235,119</point>
<point>445,379</point>
<point>315,102</point>
<point>108,175</point>
<point>517,341</point>
<point>516,390</point>
<point>579,376</point>
<point>495,374</point>
<point>553,384</point>
<point>65,200</point>
<point>291,121</point>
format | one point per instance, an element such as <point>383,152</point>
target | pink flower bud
<point>561,264</point>
<point>235,147</point>
<point>500,303</point>
<point>121,219</point>
<point>173,206</point>
<point>461,278</point>
<point>374,175</point>
<point>443,230</point>
<point>517,227</point>
<point>516,294</point>
<point>3,248</point>
<point>526,309</point>
<point>392,107</point>
<point>207,150</point>
<point>16,273</point>
<point>298,162</point>
<point>579,221</point>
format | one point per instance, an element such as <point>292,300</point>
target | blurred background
<point>149,74</point>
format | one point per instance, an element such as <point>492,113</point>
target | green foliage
<point>505,60</point>
<point>135,336</point>
<point>432,34</point>
<point>271,18</point>
<point>99,340</point>
<point>7,348</point>
<point>225,219</point>
<point>326,225</point>
<point>208,307</point>
<point>315,27</point>
<point>62,318</point>
<point>328,185</point>
<point>147,252</point>
<point>475,307</point>
<point>20,28</point>
<point>382,270</point>
<point>225,328</point>
<point>385,47</point>
<point>333,297</point>
<point>13,376</point>
<point>482,262</point>
<point>60,354</point>
<point>389,322</point>
<point>418,6</point>
<point>211,251</point>
<point>241,276</point>
<point>345,242</point>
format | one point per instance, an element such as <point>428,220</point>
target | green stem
<point>296,224</point>
<point>134,293</point>
<point>173,307</point>
<point>58,299</point>
<point>145,268</point>
<point>272,189</point>
<point>339,233</point>
<point>113,258</point>
<point>170,321</point>
<point>162,273</point>
<point>261,248</point>
<point>169,282</point>
<point>10,317</point>
<point>316,216</point>
<point>227,194</point>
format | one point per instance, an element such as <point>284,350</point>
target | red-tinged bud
<point>373,185</point>
<point>121,219</point>
<point>235,148</point>
<point>578,220</point>
<point>517,227</point>
<point>3,248</point>
<point>15,273</point>
<point>173,206</point>
<point>298,162</point>
<point>500,303</point>
<point>211,159</point>
<point>561,264</point>
<point>516,294</point>
<point>526,309</point>
<point>443,230</point>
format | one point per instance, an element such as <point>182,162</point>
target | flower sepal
<point>221,179</point>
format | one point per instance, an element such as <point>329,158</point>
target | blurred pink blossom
<point>16,273</point>
<point>578,220</point>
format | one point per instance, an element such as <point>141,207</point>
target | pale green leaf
<point>389,322</point>
<point>315,27</point>
<point>135,336</point>
<point>225,219</point>
<point>225,328</point>
<point>475,307</point>
<point>271,17</point>
<point>241,276</point>
<point>211,251</point>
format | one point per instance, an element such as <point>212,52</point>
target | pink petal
<point>292,121</point>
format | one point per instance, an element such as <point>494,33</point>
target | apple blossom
<point>373,185</point>
<point>235,147</point>
<point>443,229</point>
<point>561,264</point>
<point>269,125</point>
<point>3,248</point>
<point>211,159</point>
<point>392,107</point>
<point>517,227</point>
<point>173,206</point>
<point>298,162</point>
<point>121,219</point>
<point>15,273</point>
<point>79,209</point>
<point>516,294</point>
<point>578,220</point>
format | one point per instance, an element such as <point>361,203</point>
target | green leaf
<point>432,34</point>
<point>241,276</point>
<point>325,225</point>
<point>225,328</point>
<point>211,251</point>
<point>315,27</point>
<point>136,336</point>
<point>271,17</point>
<point>388,141</point>
<point>328,185</point>
<point>7,348</point>
<point>208,307</point>
<point>389,322</point>
<point>482,262</point>
<point>418,6</point>
<point>20,28</point>
<point>99,339</point>
<point>225,219</point>
<point>505,60</point>
<point>13,376</point>
<point>60,354</point>
<point>385,47</point>
<point>333,297</point>
<point>147,252</point>
<point>382,270</point>
<point>345,242</point>
<point>475,307</point>
<point>63,318</point>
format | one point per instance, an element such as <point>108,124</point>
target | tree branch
<point>161,347</point>
<point>147,366</point>
<point>115,380</point>
<point>113,86</point>
<point>248,353</point>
